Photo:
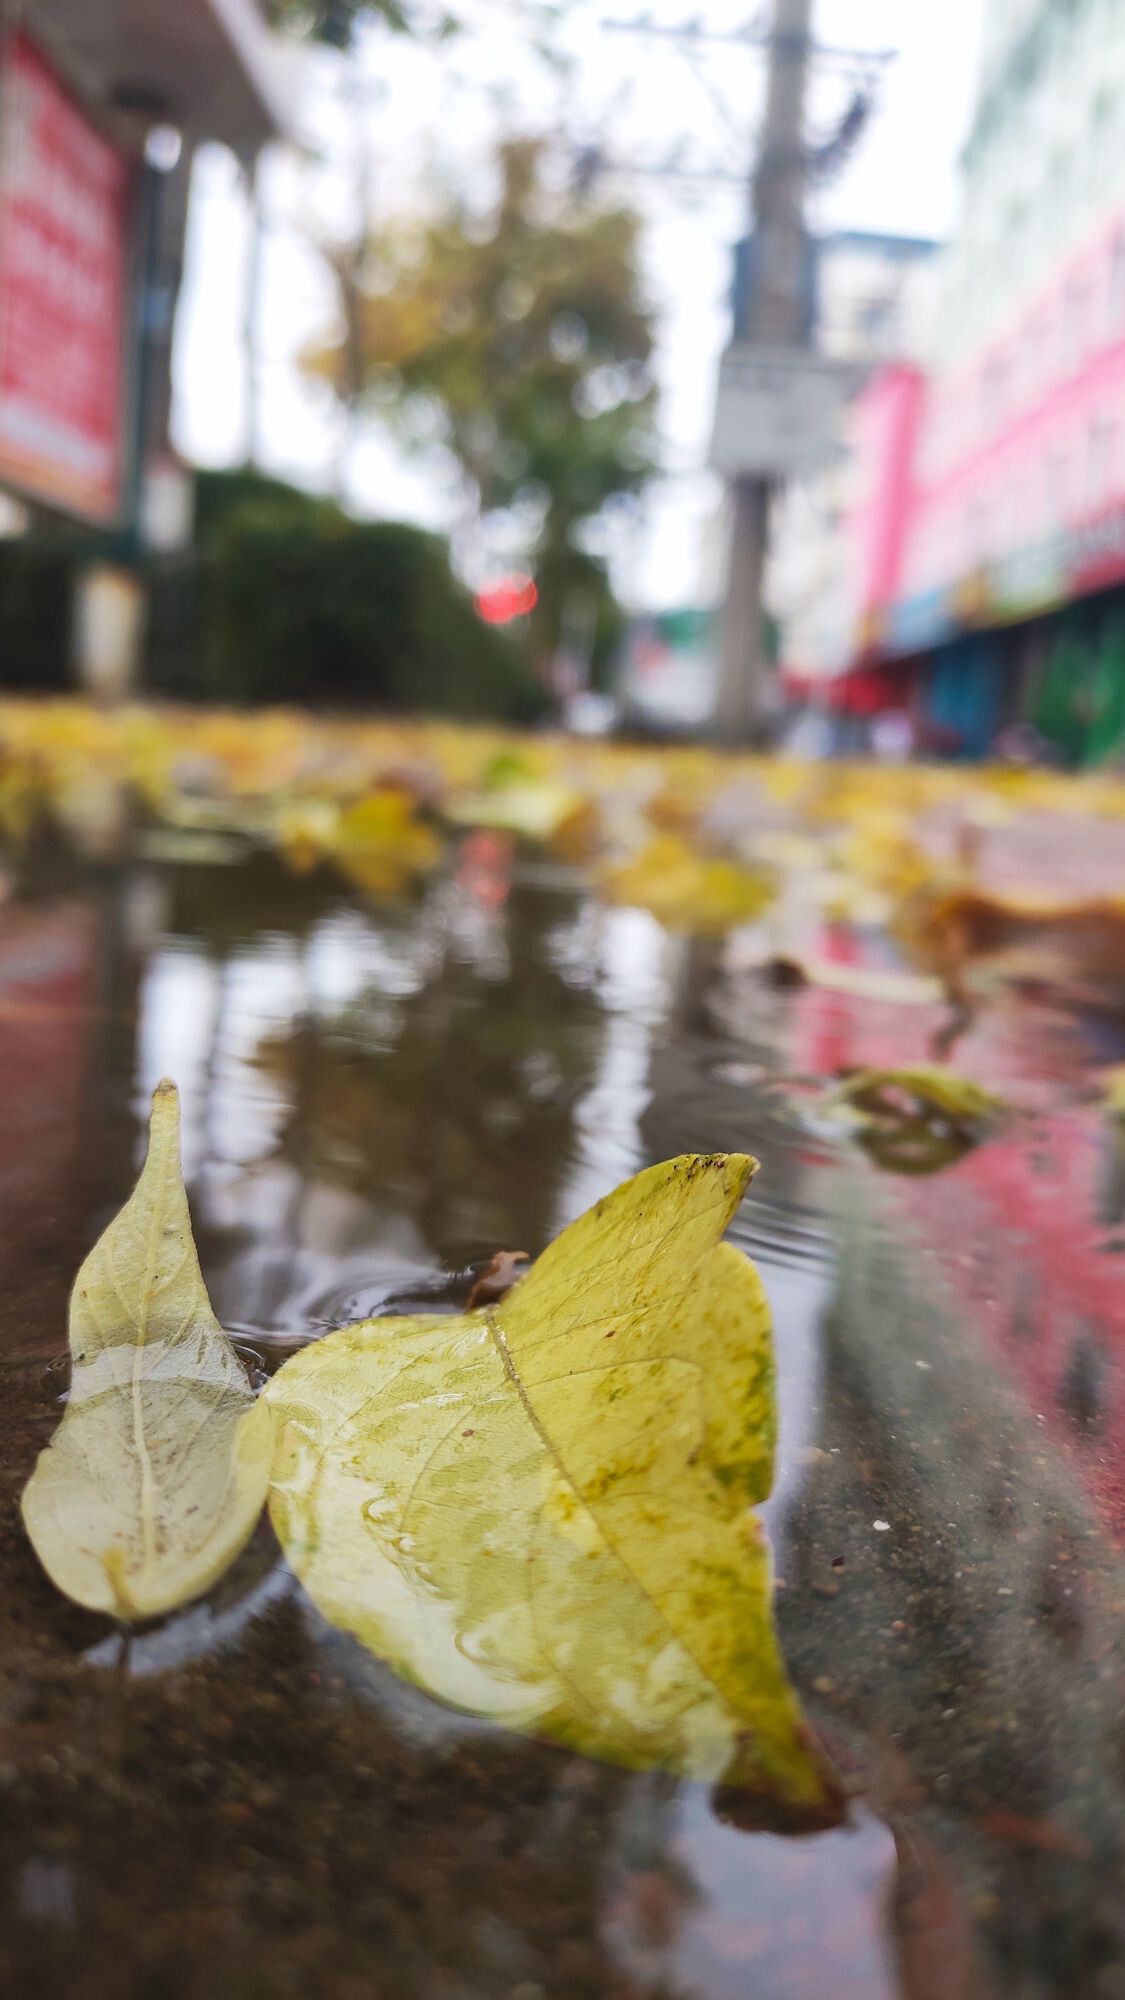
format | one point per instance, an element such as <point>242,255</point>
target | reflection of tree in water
<point>441,1096</point>
<point>711,1092</point>
<point>458,1106</point>
<point>221,911</point>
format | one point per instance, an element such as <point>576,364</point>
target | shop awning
<point>210,67</point>
<point>863,691</point>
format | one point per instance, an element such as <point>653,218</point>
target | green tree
<point>335,21</point>
<point>519,339</point>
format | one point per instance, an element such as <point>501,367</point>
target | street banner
<point>65,196</point>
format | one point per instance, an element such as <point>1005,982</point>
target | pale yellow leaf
<point>919,1088</point>
<point>537,808</point>
<point>1113,1082</point>
<point>704,894</point>
<point>158,1471</point>
<point>541,1511</point>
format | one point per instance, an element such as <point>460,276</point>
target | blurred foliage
<point>304,604</point>
<point>334,22</point>
<point>36,590</point>
<point>282,597</point>
<point>220,494</point>
<point>1079,702</point>
<point>286,598</point>
<point>519,340</point>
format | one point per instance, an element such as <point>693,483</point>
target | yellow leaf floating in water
<point>1113,1085</point>
<point>688,891</point>
<point>917,1119</point>
<point>1054,940</point>
<point>379,842</point>
<point>536,808</point>
<point>157,1473</point>
<point>878,983</point>
<point>955,1097</point>
<point>305,831</point>
<point>540,1512</point>
<point>382,845</point>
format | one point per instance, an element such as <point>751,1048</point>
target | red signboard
<point>64,212</point>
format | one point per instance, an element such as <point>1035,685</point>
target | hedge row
<point>283,598</point>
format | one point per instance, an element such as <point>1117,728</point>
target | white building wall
<point>1044,164</point>
<point>877,302</point>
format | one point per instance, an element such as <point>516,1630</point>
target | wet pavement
<point>241,1802</point>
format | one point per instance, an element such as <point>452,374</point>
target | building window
<point>1075,325</point>
<point>1022,507</point>
<point>1115,284</point>
<point>1045,351</point>
<point>974,537</point>
<point>876,322</point>
<point>1100,443</point>
<point>1054,490</point>
<point>1025,364</point>
<point>993,392</point>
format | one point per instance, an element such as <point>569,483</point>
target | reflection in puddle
<point>777,1919</point>
<point>372,1099</point>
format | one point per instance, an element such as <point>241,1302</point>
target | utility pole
<point>252,309</point>
<point>350,262</point>
<point>773,315</point>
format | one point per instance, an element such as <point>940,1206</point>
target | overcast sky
<point>434,117</point>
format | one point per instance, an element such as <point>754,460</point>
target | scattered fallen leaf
<point>157,1473</point>
<point>540,1512</point>
<point>190,847</point>
<point>539,808</point>
<point>379,842</point>
<point>877,848</point>
<point>498,1278</point>
<point>686,890</point>
<point>879,1093</point>
<point>918,1118</point>
<point>1113,1082</point>
<point>382,845</point>
<point>305,831</point>
<point>1064,943</point>
<point>906,989</point>
<point>923,1086</point>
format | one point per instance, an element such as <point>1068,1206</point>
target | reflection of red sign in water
<point>1023,1235</point>
<point>64,198</point>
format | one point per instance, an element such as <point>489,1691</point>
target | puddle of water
<point>241,1800</point>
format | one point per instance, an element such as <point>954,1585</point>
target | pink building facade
<point>886,421</point>
<point>998,491</point>
<point>986,526</point>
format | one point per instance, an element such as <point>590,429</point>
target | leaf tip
<point>165,1113</point>
<point>734,1170</point>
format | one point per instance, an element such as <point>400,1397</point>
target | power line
<point>781,45</point>
<point>753,34</point>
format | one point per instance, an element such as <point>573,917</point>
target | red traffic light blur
<point>515,597</point>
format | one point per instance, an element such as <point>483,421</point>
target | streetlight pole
<point>773,314</point>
